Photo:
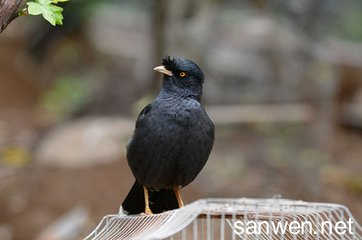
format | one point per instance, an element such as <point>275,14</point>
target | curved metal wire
<point>215,219</point>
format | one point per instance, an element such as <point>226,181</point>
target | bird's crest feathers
<point>169,63</point>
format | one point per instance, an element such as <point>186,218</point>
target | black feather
<point>169,63</point>
<point>160,201</point>
<point>172,140</point>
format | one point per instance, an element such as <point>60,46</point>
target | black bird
<point>172,140</point>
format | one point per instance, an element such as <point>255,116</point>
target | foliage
<point>66,95</point>
<point>48,9</point>
<point>14,156</point>
<point>351,25</point>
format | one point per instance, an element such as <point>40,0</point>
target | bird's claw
<point>148,211</point>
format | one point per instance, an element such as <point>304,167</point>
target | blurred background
<point>283,85</point>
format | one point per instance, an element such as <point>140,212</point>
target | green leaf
<point>58,1</point>
<point>34,8</point>
<point>55,8</point>
<point>48,10</point>
<point>44,2</point>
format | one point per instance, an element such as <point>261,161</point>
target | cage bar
<point>214,219</point>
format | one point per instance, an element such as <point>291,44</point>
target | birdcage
<point>226,219</point>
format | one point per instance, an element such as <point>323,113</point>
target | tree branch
<point>8,12</point>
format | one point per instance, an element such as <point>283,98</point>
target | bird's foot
<point>178,196</point>
<point>148,211</point>
<point>147,203</point>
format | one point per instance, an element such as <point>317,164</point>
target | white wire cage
<point>214,219</point>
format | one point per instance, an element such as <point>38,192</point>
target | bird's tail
<point>159,201</point>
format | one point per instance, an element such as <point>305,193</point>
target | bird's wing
<point>143,114</point>
<point>140,119</point>
<point>167,139</point>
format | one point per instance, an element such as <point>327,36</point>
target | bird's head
<point>182,76</point>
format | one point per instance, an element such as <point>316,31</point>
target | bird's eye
<point>182,74</point>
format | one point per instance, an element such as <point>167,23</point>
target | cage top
<point>163,225</point>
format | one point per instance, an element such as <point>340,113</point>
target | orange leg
<point>178,196</point>
<point>147,204</point>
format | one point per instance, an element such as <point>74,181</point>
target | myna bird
<point>172,140</point>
